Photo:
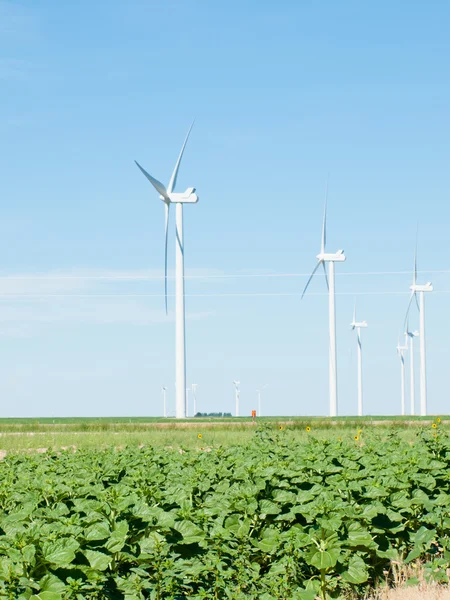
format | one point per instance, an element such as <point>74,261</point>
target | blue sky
<point>282,93</point>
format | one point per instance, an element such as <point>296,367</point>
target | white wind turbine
<point>164,390</point>
<point>357,325</point>
<point>237,392</point>
<point>259,390</point>
<point>168,196</point>
<point>401,354</point>
<point>194,394</point>
<point>187,401</point>
<point>421,290</point>
<point>323,258</point>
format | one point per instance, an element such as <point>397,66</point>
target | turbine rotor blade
<point>159,187</point>
<point>173,179</point>
<point>417,302</point>
<point>311,276</point>
<point>166,211</point>
<point>326,275</point>
<point>408,309</point>
<point>354,312</point>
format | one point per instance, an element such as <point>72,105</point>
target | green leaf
<point>356,572</point>
<point>191,533</point>
<point>118,537</point>
<point>47,596</point>
<point>60,552</point>
<point>97,560</point>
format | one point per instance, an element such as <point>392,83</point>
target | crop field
<point>276,512</point>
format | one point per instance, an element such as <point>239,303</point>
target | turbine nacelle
<point>187,197</point>
<point>327,257</point>
<point>427,287</point>
<point>355,324</point>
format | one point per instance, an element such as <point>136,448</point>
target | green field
<point>18,435</point>
<point>223,511</point>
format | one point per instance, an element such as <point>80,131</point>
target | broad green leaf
<point>97,560</point>
<point>356,571</point>
<point>60,552</point>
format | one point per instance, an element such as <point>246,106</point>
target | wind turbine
<point>164,390</point>
<point>401,354</point>
<point>237,392</point>
<point>194,393</point>
<point>357,325</point>
<point>259,390</point>
<point>323,258</point>
<point>421,290</point>
<point>412,385</point>
<point>168,196</point>
<point>187,401</point>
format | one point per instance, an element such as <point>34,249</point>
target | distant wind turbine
<point>236,397</point>
<point>259,390</point>
<point>187,401</point>
<point>323,258</point>
<point>194,394</point>
<point>357,325</point>
<point>412,378</point>
<point>421,290</point>
<point>164,390</point>
<point>168,196</point>
<point>401,354</point>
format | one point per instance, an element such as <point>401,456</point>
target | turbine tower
<point>323,258</point>
<point>164,390</point>
<point>236,396</point>
<point>401,354</point>
<point>187,401</point>
<point>357,325</point>
<point>194,394</point>
<point>259,390</point>
<point>412,378</point>
<point>168,196</point>
<point>420,290</point>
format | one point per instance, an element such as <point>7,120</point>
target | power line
<point>210,276</point>
<point>221,295</point>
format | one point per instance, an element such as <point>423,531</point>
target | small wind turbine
<point>187,401</point>
<point>236,396</point>
<point>323,258</point>
<point>421,290</point>
<point>412,379</point>
<point>194,394</point>
<point>259,390</point>
<point>168,196</point>
<point>401,354</point>
<point>357,325</point>
<point>164,390</point>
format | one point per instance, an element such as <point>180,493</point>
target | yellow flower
<point>438,420</point>
<point>356,438</point>
<point>339,439</point>
<point>199,436</point>
<point>434,434</point>
<point>280,427</point>
<point>359,431</point>
<point>308,428</point>
<point>434,426</point>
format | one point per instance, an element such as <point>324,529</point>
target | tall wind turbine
<point>420,290</point>
<point>164,390</point>
<point>237,392</point>
<point>323,258</point>
<point>168,196</point>
<point>357,325</point>
<point>194,394</point>
<point>259,390</point>
<point>401,354</point>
